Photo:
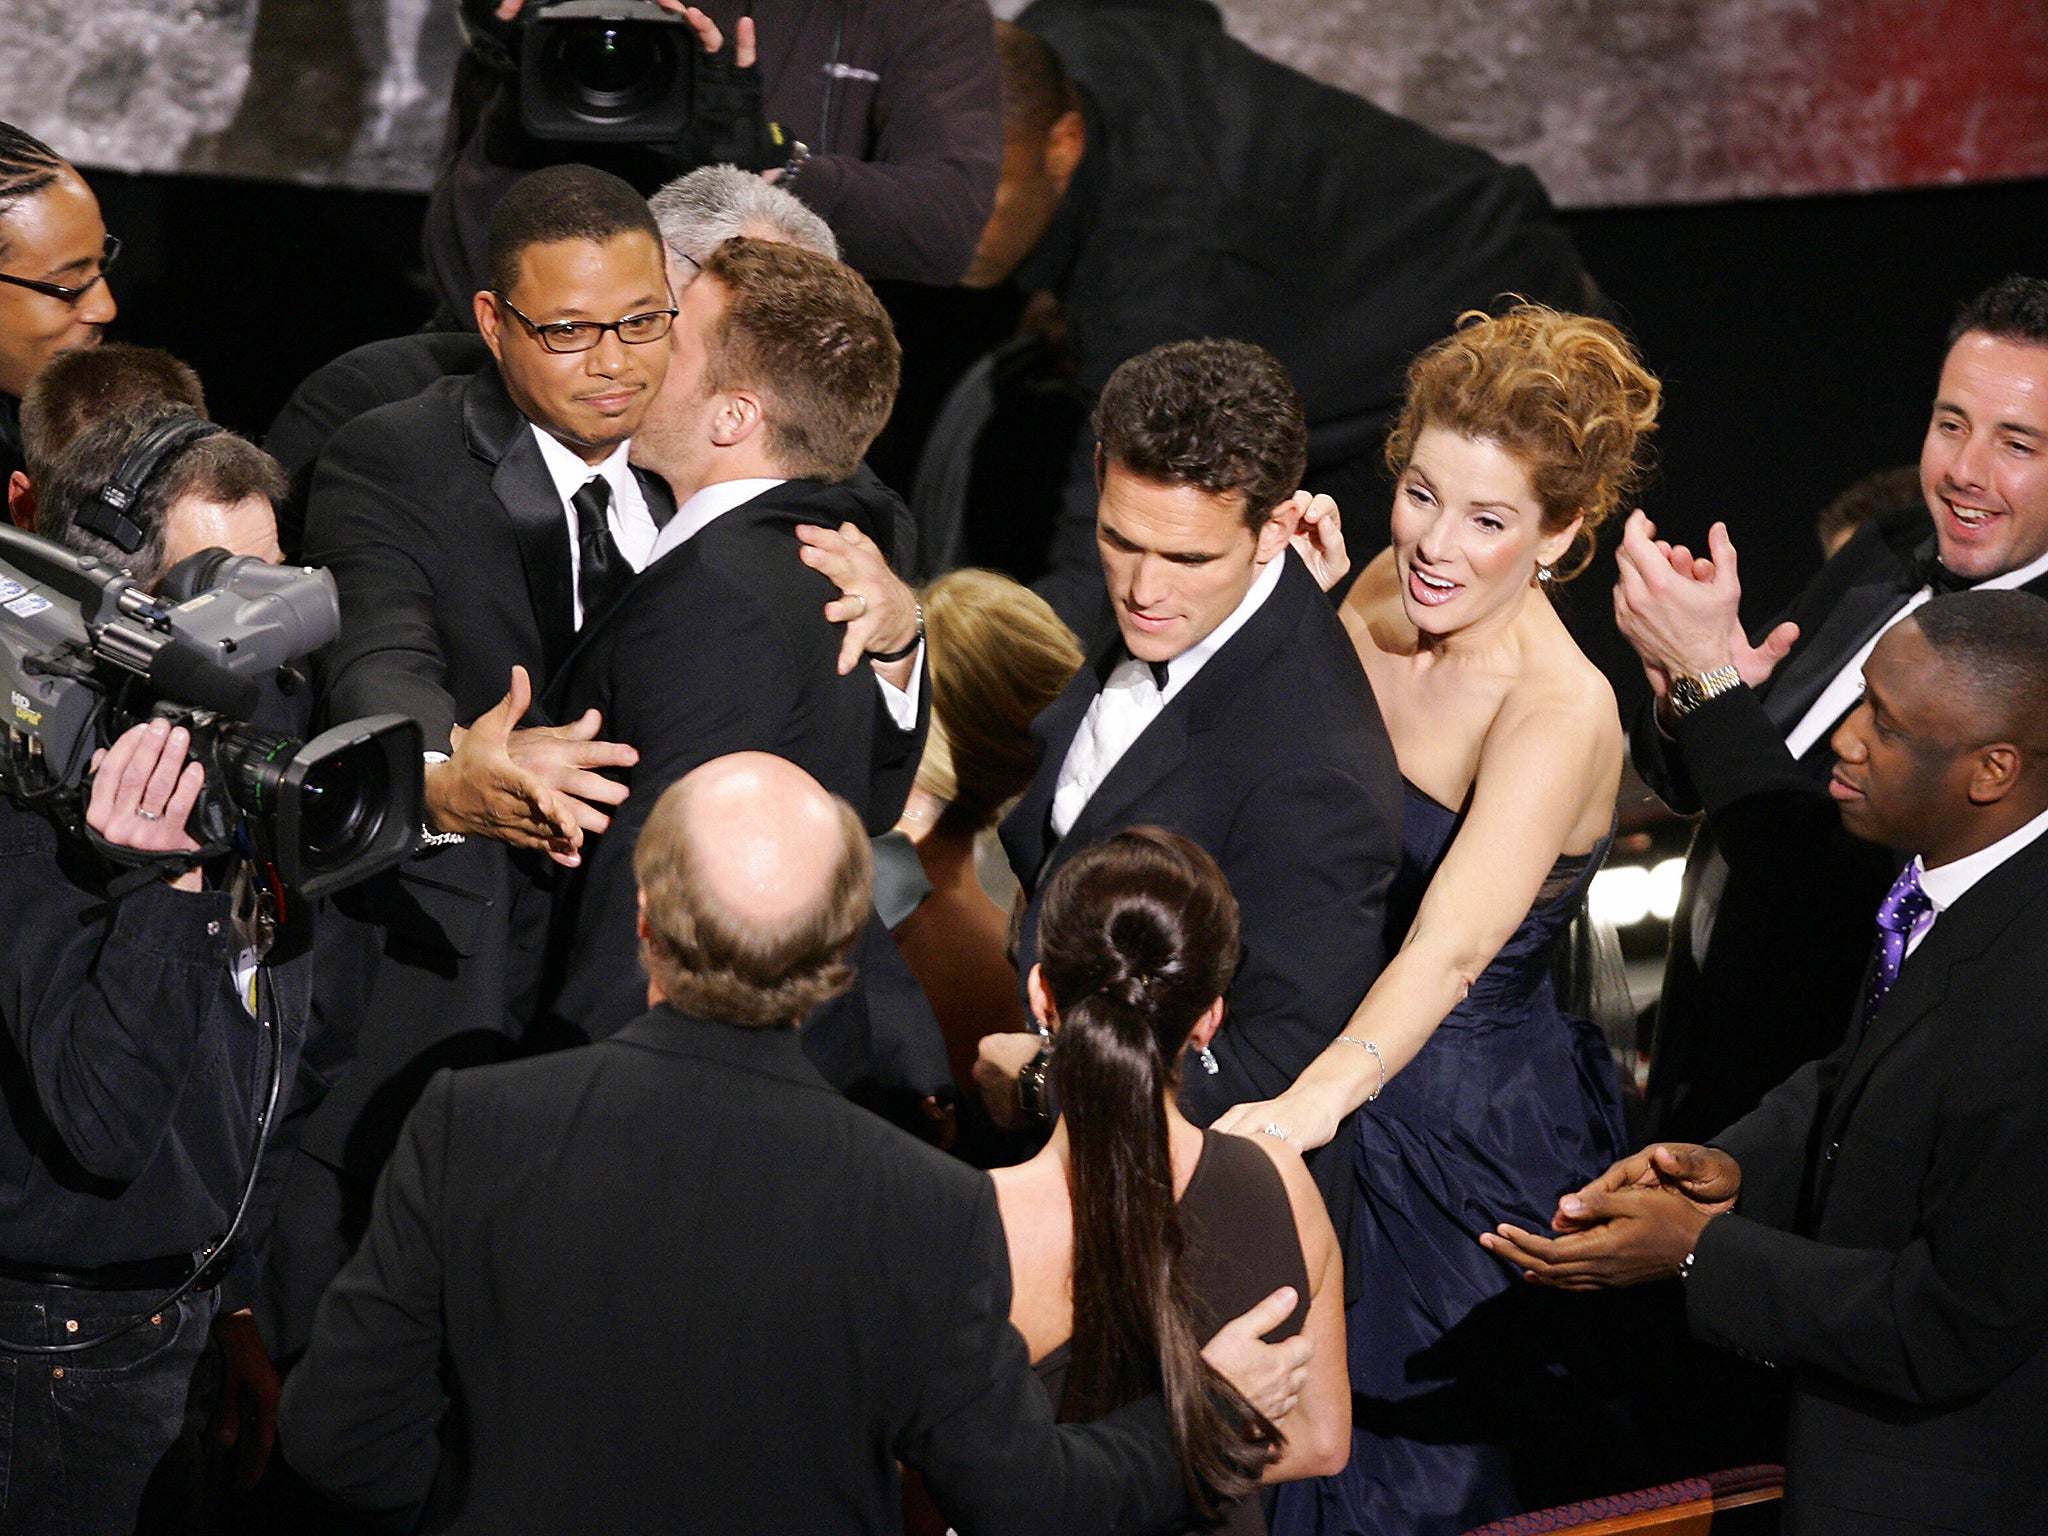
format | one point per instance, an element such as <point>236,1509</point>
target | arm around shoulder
<point>982,1432</point>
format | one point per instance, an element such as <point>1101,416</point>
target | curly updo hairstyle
<point>1565,394</point>
<point>1137,937</point>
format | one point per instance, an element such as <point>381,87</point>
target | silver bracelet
<point>1378,1059</point>
<point>429,838</point>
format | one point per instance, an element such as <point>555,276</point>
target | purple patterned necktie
<point>1905,904</point>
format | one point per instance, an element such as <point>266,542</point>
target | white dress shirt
<point>712,503</point>
<point>1840,695</point>
<point>632,525</point>
<point>1945,884</point>
<point>1132,699</point>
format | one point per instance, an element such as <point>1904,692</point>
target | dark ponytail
<point>1137,937</point>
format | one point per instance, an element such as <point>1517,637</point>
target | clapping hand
<point>1636,1222</point>
<point>1682,612</point>
<point>1705,1175</point>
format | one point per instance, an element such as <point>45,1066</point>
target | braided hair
<point>27,165</point>
<point>1137,938</point>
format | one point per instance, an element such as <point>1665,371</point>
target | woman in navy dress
<point>1477,1100</point>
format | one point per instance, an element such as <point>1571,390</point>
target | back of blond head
<point>998,655</point>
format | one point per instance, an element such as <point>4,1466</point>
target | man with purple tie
<point>1875,1227</point>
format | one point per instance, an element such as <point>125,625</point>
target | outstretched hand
<point>1681,611</point>
<point>1270,1376</point>
<point>532,788</point>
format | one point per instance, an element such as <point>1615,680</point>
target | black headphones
<point>108,513</point>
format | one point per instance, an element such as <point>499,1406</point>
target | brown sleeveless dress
<point>1242,1247</point>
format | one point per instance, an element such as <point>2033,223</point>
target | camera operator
<point>147,1031</point>
<point>884,116</point>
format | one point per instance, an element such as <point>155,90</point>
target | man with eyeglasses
<point>54,253</point>
<point>473,530</point>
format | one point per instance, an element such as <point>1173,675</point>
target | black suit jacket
<point>722,646</point>
<point>1275,760</point>
<point>1888,1246</point>
<point>450,548</point>
<point>672,1282</point>
<point>354,384</point>
<point>1772,932</point>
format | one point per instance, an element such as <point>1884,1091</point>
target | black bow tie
<point>1928,571</point>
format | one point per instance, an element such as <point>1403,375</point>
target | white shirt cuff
<point>903,702</point>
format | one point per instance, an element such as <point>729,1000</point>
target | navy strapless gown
<point>1510,1104</point>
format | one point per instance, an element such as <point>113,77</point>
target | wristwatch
<point>1689,690</point>
<point>1031,1086</point>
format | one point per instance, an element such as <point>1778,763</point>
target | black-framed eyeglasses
<point>111,250</point>
<point>582,335</point>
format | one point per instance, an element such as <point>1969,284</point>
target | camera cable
<point>266,1018</point>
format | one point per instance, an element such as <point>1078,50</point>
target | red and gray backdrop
<point>1612,102</point>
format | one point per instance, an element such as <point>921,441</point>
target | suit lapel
<point>521,483</point>
<point>1806,675</point>
<point>1963,932</point>
<point>1162,746</point>
<point>661,500</point>
<point>1027,830</point>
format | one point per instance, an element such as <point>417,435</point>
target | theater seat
<point>1689,1507</point>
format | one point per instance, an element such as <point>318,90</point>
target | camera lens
<point>341,801</point>
<point>614,70</point>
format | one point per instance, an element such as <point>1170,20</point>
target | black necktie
<point>600,569</point>
<point>1159,673</point>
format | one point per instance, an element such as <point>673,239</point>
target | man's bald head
<point>754,884</point>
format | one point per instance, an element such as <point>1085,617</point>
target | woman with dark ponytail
<point>1133,1235</point>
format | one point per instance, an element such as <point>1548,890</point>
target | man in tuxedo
<point>1876,1225</point>
<point>784,368</point>
<point>1231,708</point>
<point>674,1283</point>
<point>1767,949</point>
<point>470,530</point>
<point>694,213</point>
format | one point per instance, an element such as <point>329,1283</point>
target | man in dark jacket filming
<point>147,1037</point>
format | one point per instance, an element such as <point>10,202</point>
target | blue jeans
<point>80,1434</point>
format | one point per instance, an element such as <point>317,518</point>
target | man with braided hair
<point>54,251</point>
